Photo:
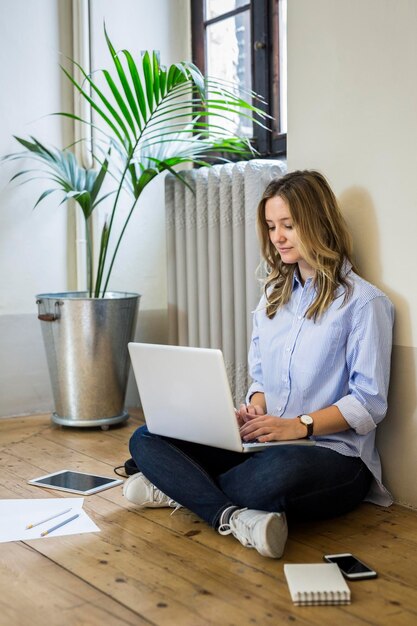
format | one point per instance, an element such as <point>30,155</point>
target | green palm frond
<point>144,97</point>
<point>61,168</point>
<point>155,119</point>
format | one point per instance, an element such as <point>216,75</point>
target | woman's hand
<point>248,411</point>
<point>270,428</point>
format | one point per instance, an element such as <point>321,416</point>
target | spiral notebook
<point>313,584</point>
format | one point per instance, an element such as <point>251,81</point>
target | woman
<point>319,359</point>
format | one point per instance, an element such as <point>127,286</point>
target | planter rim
<point>83,295</point>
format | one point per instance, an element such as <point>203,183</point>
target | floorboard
<point>154,567</point>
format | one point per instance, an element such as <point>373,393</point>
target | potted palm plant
<point>149,119</point>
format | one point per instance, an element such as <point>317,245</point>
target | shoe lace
<point>156,495</point>
<point>177,506</point>
<point>241,528</point>
<point>227,528</point>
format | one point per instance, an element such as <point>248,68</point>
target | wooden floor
<point>151,567</point>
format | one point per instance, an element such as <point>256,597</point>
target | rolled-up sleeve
<point>254,361</point>
<point>368,356</point>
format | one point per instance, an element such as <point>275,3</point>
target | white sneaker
<point>266,532</point>
<point>139,490</point>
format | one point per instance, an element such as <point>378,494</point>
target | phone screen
<point>349,564</point>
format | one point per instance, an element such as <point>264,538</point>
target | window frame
<point>265,65</point>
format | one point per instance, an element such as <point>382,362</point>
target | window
<point>245,41</point>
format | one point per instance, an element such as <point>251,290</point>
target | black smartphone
<point>350,566</point>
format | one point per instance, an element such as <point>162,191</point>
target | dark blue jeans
<point>305,482</point>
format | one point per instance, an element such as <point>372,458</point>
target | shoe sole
<point>274,537</point>
<point>127,486</point>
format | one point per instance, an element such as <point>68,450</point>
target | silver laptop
<point>185,394</point>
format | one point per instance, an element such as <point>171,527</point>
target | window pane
<point>219,7</point>
<point>228,53</point>
<point>283,65</point>
<point>278,65</point>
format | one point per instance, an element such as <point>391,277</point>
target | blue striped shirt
<point>342,359</point>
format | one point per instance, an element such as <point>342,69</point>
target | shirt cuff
<point>254,388</point>
<point>356,415</point>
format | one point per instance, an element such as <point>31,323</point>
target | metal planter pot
<point>86,348</point>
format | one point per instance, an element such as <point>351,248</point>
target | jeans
<point>305,482</point>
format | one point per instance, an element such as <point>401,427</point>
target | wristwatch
<point>308,422</point>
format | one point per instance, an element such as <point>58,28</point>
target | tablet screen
<point>77,482</point>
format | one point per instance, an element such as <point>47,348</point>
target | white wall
<point>37,248</point>
<point>352,113</point>
<point>33,244</point>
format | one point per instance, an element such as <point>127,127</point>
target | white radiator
<point>213,254</point>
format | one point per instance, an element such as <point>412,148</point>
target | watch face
<point>308,422</point>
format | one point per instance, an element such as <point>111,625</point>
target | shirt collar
<point>296,281</point>
<point>346,268</point>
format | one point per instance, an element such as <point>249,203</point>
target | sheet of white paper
<point>15,515</point>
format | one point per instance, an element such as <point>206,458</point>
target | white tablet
<point>75,482</point>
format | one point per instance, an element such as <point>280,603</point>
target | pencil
<point>46,532</point>
<point>48,518</point>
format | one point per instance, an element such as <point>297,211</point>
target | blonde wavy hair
<point>324,241</point>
